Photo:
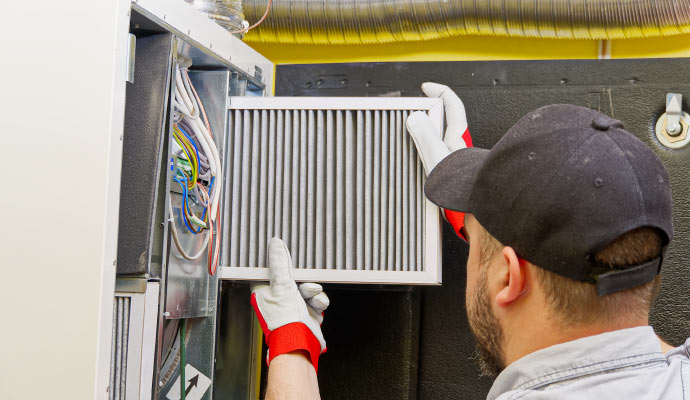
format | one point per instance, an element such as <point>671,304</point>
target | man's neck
<point>520,342</point>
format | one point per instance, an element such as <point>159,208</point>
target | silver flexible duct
<point>227,13</point>
<point>382,21</point>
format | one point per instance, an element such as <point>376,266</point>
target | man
<point>568,218</point>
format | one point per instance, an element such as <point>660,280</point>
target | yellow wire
<point>188,148</point>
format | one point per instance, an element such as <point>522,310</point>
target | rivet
<point>531,156</point>
<point>598,182</point>
<point>564,81</point>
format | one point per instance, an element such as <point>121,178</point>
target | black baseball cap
<point>561,184</point>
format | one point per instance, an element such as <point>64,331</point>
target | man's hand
<point>433,148</point>
<point>290,316</point>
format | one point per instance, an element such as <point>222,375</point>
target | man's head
<point>506,292</point>
<point>569,218</point>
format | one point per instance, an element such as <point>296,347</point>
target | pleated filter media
<point>339,180</point>
<point>118,350</point>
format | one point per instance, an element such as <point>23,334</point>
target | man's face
<point>483,322</point>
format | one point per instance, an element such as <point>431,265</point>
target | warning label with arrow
<point>195,386</point>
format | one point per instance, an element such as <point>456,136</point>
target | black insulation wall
<point>414,343</point>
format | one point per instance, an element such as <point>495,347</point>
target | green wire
<point>183,357</point>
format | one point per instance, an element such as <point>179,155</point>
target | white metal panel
<point>352,207</point>
<point>74,297</point>
<point>148,342</point>
<point>185,19</point>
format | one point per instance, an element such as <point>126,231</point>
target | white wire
<point>215,166</point>
<point>203,139</point>
<point>177,240</point>
<point>190,94</point>
<point>180,108</point>
<point>184,95</point>
<point>212,163</point>
<point>186,102</point>
<point>215,192</point>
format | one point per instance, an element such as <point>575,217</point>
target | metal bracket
<point>673,125</point>
<point>258,74</point>
<point>674,103</point>
<point>130,285</point>
<point>131,56</point>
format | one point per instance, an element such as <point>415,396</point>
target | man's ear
<point>514,283</point>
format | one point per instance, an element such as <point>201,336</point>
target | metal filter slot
<point>339,180</point>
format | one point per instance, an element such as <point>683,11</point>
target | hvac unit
<point>338,179</point>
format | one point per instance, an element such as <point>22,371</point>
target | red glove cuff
<point>467,138</point>
<point>457,220</point>
<point>288,338</point>
<point>293,337</point>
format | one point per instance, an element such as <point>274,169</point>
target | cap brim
<point>449,184</point>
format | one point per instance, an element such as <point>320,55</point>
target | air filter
<point>339,180</point>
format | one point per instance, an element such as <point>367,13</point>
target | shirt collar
<point>610,350</point>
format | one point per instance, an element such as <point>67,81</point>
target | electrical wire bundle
<point>197,170</point>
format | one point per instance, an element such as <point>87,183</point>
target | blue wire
<point>184,202</point>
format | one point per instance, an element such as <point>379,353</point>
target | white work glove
<point>431,147</point>
<point>290,315</point>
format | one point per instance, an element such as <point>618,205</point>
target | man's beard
<point>486,329</point>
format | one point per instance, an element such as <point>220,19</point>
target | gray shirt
<point>625,364</point>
